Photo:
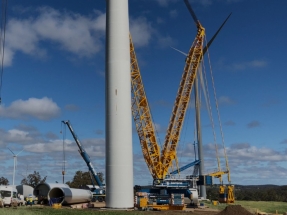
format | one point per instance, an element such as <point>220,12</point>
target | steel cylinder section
<point>42,190</point>
<point>119,157</point>
<point>24,190</point>
<point>193,196</point>
<point>65,195</point>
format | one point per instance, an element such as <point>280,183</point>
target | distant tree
<point>33,179</point>
<point>4,181</point>
<point>84,178</point>
<point>101,176</point>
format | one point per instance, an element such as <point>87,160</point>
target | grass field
<point>252,206</point>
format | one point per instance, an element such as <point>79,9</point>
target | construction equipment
<point>98,193</point>
<point>160,194</point>
<point>159,164</point>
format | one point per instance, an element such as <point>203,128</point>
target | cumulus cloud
<point>229,123</point>
<point>254,64</point>
<point>165,3</point>
<point>15,136</point>
<point>159,20</point>
<point>44,152</point>
<point>71,107</point>
<point>159,128</point>
<point>173,13</point>
<point>43,109</point>
<point>243,158</point>
<point>163,103</point>
<point>244,152</point>
<point>166,41</point>
<point>80,35</point>
<point>271,102</point>
<point>99,132</point>
<point>225,100</point>
<point>141,31</point>
<point>72,32</point>
<point>95,147</point>
<point>253,124</point>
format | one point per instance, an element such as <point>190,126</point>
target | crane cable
<point>2,41</point>
<point>207,101</point>
<point>218,115</point>
<point>179,147</point>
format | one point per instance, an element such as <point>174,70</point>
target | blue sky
<point>54,70</point>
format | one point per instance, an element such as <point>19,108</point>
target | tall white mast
<point>119,153</point>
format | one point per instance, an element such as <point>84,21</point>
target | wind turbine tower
<point>119,153</point>
<point>15,163</point>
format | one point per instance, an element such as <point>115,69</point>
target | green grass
<point>252,206</point>
<point>62,211</point>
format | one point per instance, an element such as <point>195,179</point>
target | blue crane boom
<point>84,155</point>
<point>185,167</point>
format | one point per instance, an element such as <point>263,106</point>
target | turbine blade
<point>179,51</point>
<point>191,11</point>
<point>210,41</point>
<point>20,152</point>
<point>11,151</point>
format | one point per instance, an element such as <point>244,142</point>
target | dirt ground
<point>194,211</point>
<point>229,210</point>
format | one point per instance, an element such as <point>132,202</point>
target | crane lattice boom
<point>159,162</point>
<point>181,102</point>
<point>143,119</point>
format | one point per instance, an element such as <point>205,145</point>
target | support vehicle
<point>9,195</point>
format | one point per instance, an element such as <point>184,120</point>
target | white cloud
<point>94,147</point>
<point>74,33</point>
<point>16,136</point>
<point>43,109</point>
<point>205,2</point>
<point>225,100</point>
<point>160,20</point>
<point>72,107</point>
<point>166,41</point>
<point>173,13</point>
<point>254,64</point>
<point>243,158</point>
<point>165,3</point>
<point>253,124</point>
<point>141,31</point>
<point>229,123</point>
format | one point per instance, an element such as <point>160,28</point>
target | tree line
<point>80,179</point>
<point>32,180</point>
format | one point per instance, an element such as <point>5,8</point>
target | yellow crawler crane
<point>159,164</point>
<point>166,197</point>
<point>143,119</point>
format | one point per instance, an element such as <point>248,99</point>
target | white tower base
<point>119,154</point>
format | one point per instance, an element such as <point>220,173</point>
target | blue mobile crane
<point>98,193</point>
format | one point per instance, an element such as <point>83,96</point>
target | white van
<point>9,194</point>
